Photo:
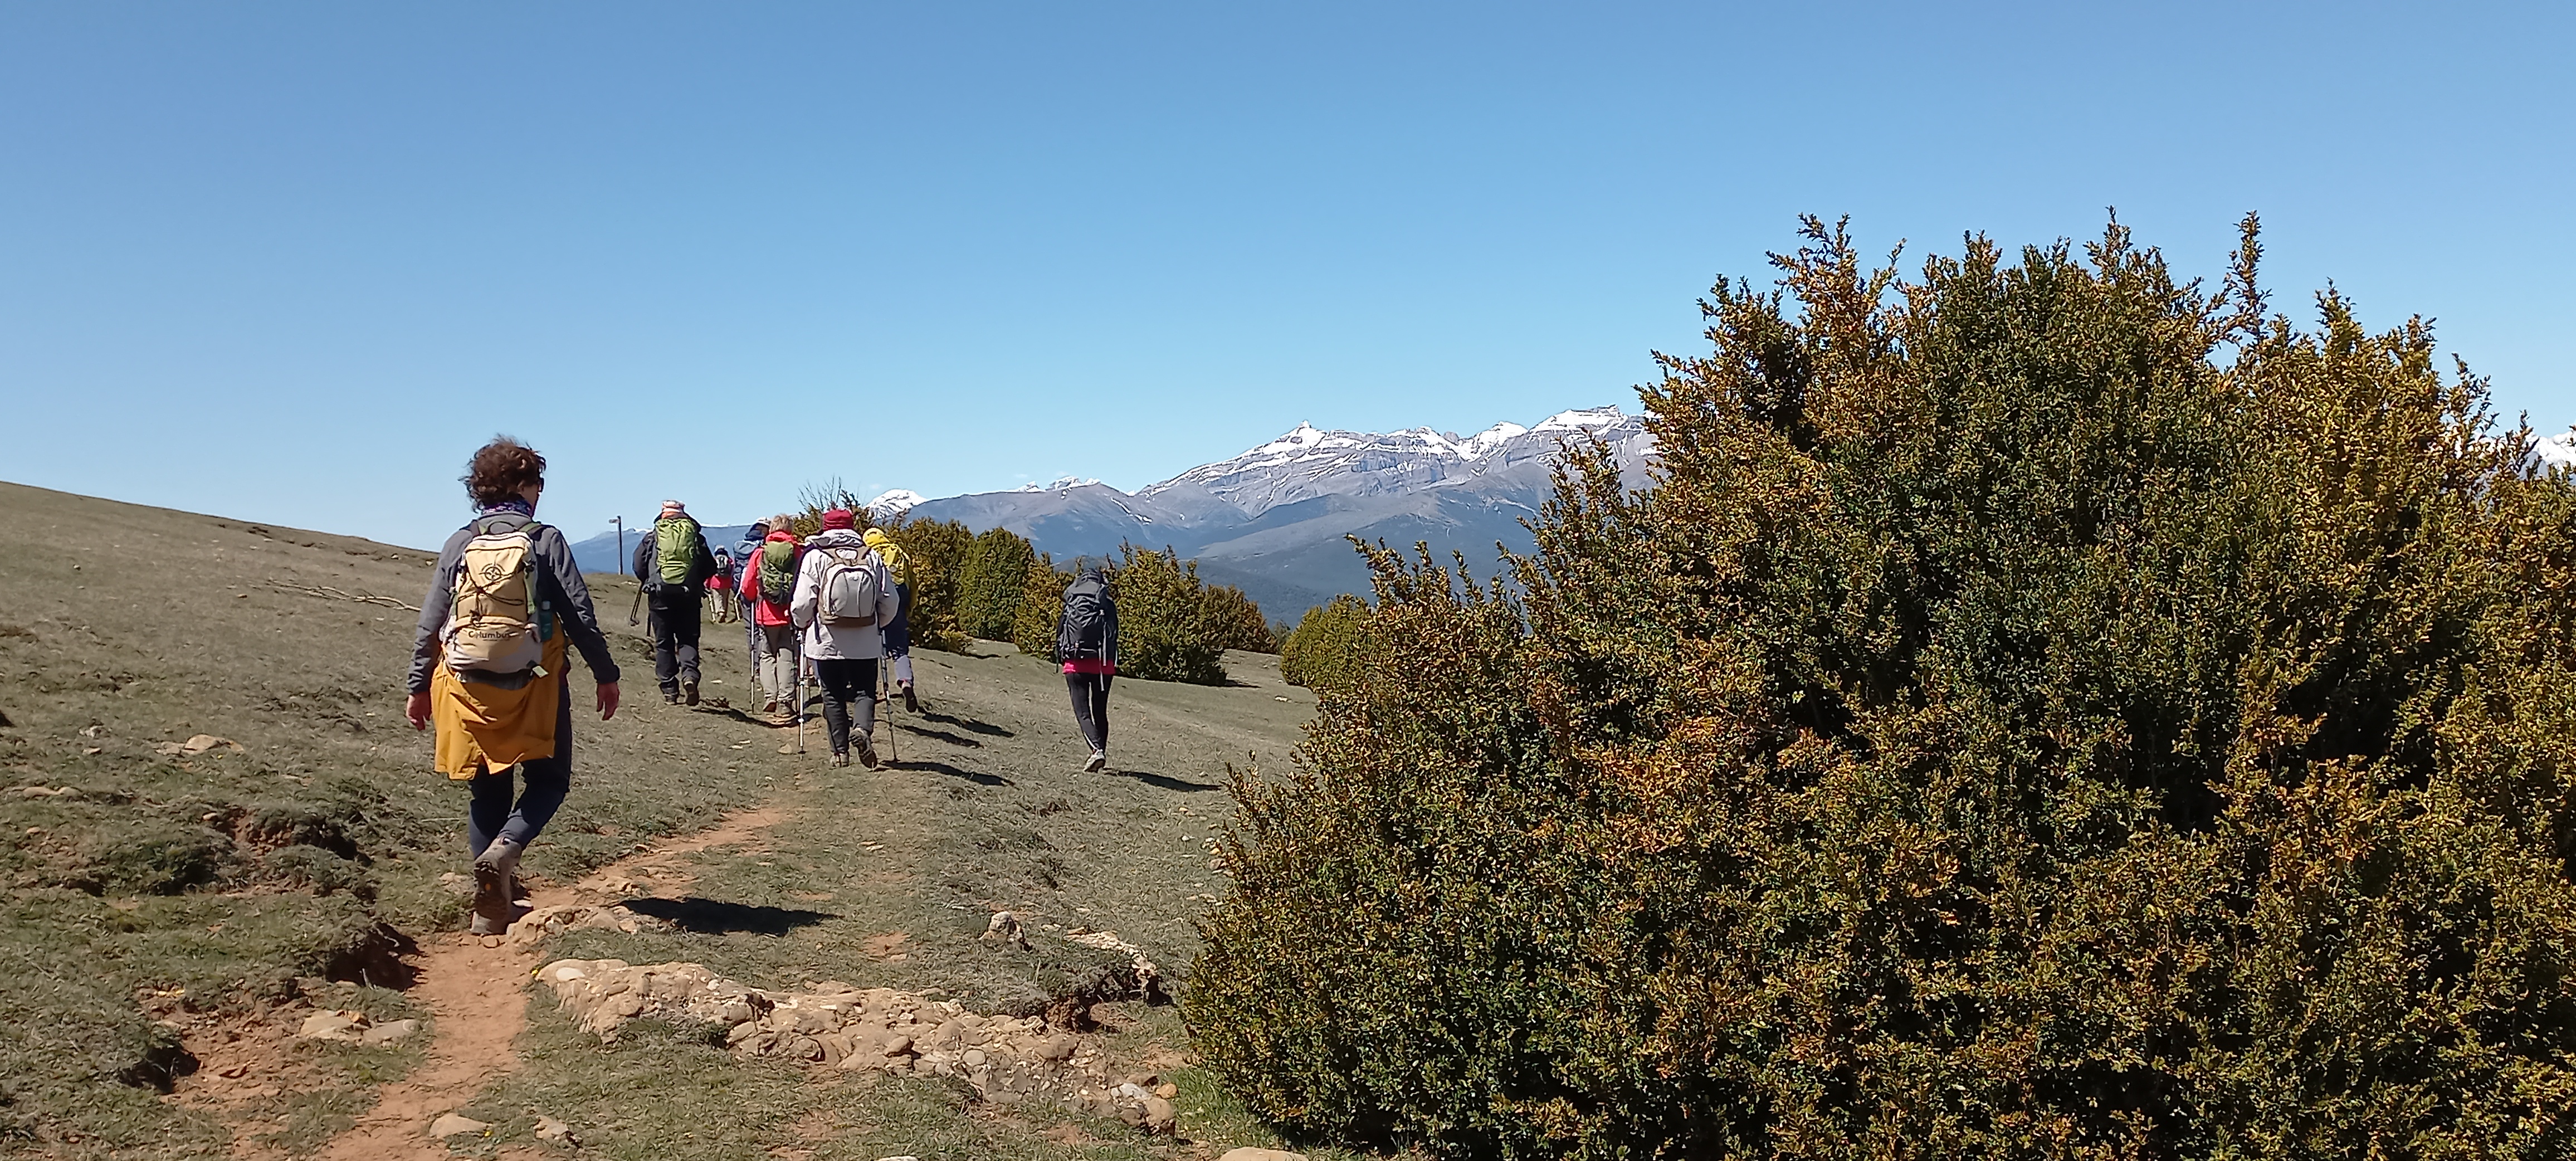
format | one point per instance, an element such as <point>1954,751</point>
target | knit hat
<point>840,518</point>
<point>672,508</point>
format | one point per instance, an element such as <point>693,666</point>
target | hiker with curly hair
<point>488,667</point>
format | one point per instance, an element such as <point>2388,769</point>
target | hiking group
<point>489,665</point>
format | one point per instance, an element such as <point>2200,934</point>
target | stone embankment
<point>1006,1060</point>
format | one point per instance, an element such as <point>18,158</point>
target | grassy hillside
<point>161,906</point>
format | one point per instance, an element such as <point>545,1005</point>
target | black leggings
<point>844,683</point>
<point>1091,707</point>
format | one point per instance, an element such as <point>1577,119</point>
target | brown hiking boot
<point>911,704</point>
<point>867,754</point>
<point>689,693</point>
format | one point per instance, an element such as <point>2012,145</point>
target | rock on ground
<point>1006,1060</point>
<point>334,1025</point>
<point>451,1124</point>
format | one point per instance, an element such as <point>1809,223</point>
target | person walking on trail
<point>768,590</point>
<point>721,585</point>
<point>673,565</point>
<point>746,553</point>
<point>1086,641</point>
<point>844,598</point>
<point>488,667</point>
<point>898,632</point>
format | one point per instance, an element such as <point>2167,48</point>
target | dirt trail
<point>475,989</point>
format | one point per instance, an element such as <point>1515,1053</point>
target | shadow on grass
<point>987,729</point>
<point>728,711</point>
<point>943,735</point>
<point>1165,782</point>
<point>978,778</point>
<point>715,917</point>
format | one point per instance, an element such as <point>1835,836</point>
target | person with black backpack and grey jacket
<point>1086,641</point>
<point>673,565</point>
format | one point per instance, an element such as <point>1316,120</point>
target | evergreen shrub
<point>1236,622</point>
<point>1327,647</point>
<point>1165,632</point>
<point>2042,709</point>
<point>992,583</point>
<point>1033,624</point>
<point>939,549</point>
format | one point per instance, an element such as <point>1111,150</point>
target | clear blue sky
<point>293,262</point>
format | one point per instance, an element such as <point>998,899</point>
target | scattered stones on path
<point>557,1132</point>
<point>1256,1153</point>
<point>1006,1060</point>
<point>539,923</point>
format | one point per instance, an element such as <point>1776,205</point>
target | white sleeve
<point>809,590</point>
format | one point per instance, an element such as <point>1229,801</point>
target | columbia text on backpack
<point>495,624</point>
<point>778,572</point>
<point>850,590</point>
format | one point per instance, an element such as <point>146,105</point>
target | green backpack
<point>675,545</point>
<point>778,572</point>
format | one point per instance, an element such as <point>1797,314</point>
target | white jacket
<point>823,642</point>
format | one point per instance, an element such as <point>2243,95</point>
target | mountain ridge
<point>1274,519</point>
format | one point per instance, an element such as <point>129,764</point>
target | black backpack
<point>1089,624</point>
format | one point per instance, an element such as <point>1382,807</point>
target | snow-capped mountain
<point>1273,519</point>
<point>1306,463</point>
<point>889,505</point>
<point>2557,451</point>
<point>1060,483</point>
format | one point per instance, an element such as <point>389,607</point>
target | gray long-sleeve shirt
<point>559,585</point>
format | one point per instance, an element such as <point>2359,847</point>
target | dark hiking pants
<point>675,639</point>
<point>846,684</point>
<point>1091,707</point>
<point>546,781</point>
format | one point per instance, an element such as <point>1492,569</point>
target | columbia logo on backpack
<point>496,626</point>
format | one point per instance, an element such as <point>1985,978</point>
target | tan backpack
<point>495,624</point>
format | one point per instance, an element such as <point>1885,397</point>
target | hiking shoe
<point>1099,762</point>
<point>911,704</point>
<point>689,693</point>
<point>491,903</point>
<point>770,707</point>
<point>493,871</point>
<point>867,754</point>
<point>670,697</point>
<point>840,759</point>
